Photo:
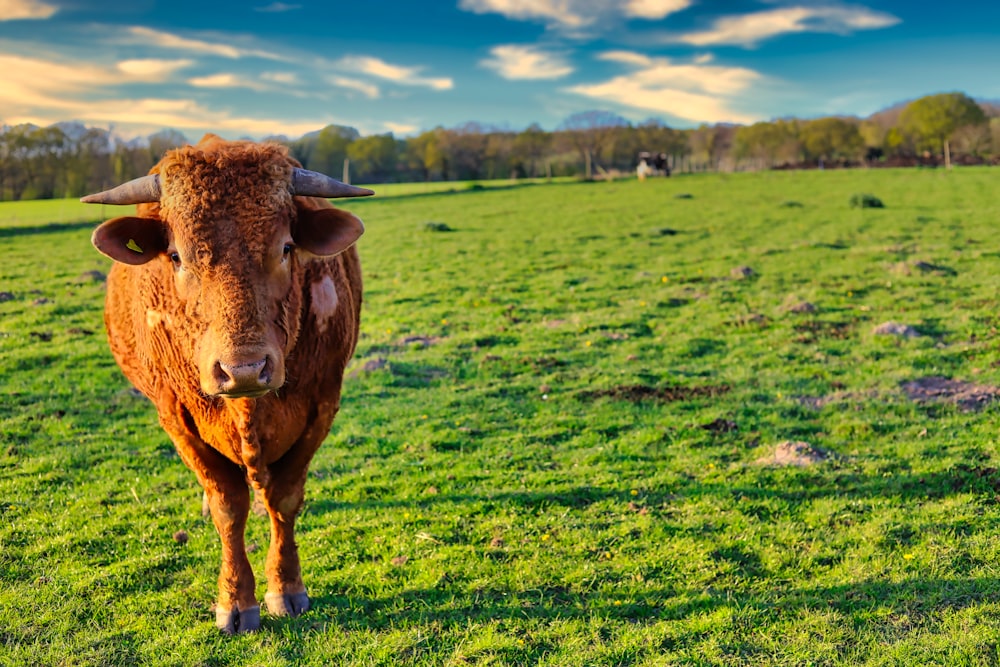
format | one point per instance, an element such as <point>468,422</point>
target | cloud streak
<point>152,68</point>
<point>44,92</point>
<point>369,90</point>
<point>748,30</point>
<point>407,76</point>
<point>576,18</point>
<point>171,41</point>
<point>16,10</point>
<point>512,61</point>
<point>227,80</point>
<point>696,91</point>
<point>654,10</point>
<point>277,8</point>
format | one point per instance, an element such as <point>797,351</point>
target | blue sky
<point>265,67</point>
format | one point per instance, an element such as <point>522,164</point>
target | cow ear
<point>131,240</point>
<point>327,231</point>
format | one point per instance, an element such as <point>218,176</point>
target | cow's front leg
<point>229,502</point>
<point>286,594</point>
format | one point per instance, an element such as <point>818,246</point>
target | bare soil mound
<point>938,389</point>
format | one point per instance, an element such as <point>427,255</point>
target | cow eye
<point>287,250</point>
<point>175,258</point>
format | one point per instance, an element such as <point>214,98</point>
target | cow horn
<point>307,183</point>
<point>137,191</point>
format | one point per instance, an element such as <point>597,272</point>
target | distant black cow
<point>652,165</point>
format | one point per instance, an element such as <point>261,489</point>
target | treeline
<point>69,159</point>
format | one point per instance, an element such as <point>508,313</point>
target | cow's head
<point>223,222</point>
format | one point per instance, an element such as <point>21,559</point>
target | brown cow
<point>233,304</point>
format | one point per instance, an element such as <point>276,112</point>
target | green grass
<point>488,496</point>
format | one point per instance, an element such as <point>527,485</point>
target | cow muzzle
<point>247,377</point>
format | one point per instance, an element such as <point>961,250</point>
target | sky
<point>261,68</point>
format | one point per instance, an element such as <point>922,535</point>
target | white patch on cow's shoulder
<point>324,301</point>
<point>155,318</point>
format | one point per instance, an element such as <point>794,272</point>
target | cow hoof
<point>286,604</point>
<point>235,621</point>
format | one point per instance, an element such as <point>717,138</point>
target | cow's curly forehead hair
<point>242,184</point>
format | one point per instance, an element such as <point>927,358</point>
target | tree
<point>329,148</point>
<point>710,144</point>
<point>497,154</point>
<point>424,154</point>
<point>530,146</point>
<point>373,158</point>
<point>831,139</point>
<point>164,140</point>
<point>591,132</point>
<point>88,164</point>
<point>767,143</point>
<point>931,121</point>
<point>974,140</point>
<point>464,148</point>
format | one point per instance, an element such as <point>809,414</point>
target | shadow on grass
<point>51,228</point>
<point>783,485</point>
<point>446,607</point>
<point>467,190</point>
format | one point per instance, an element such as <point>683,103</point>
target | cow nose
<point>243,377</point>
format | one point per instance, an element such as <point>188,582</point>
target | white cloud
<point>627,57</point>
<point>12,10</point>
<point>512,61</point>
<point>277,8</point>
<point>400,128</point>
<point>369,90</point>
<point>166,40</point>
<point>397,73</point>
<point>227,80</point>
<point>287,78</point>
<point>694,91</point>
<point>750,29</point>
<point>558,12</point>
<point>44,92</point>
<point>152,68</point>
<point>654,9</point>
<point>29,81</point>
<point>576,17</point>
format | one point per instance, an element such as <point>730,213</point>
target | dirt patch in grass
<point>801,308</point>
<point>820,402</point>
<point>720,425</point>
<point>91,277</point>
<point>896,329</point>
<point>795,453</point>
<point>937,389</point>
<point>748,319</point>
<point>907,269</point>
<point>419,341</point>
<point>370,366</point>
<point>814,329</point>
<point>637,393</point>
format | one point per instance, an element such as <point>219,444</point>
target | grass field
<point>553,444</point>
